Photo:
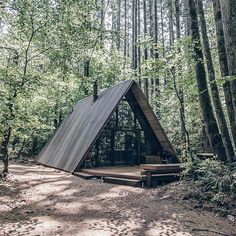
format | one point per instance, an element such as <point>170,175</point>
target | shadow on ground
<point>42,201</point>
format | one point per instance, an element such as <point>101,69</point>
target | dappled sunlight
<point>55,203</point>
<point>65,192</point>
<point>108,227</point>
<point>117,191</point>
<point>73,206</point>
<point>165,228</point>
<point>4,207</point>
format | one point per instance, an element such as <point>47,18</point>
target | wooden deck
<point>132,175</point>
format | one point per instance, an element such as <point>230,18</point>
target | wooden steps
<point>83,175</point>
<point>162,167</point>
<point>166,177</point>
<point>148,174</point>
<point>204,156</point>
<point>121,181</point>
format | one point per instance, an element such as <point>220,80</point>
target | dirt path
<point>43,201</point>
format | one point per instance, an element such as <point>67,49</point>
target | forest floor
<point>36,200</point>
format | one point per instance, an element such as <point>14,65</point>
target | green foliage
<point>44,46</point>
<point>212,176</point>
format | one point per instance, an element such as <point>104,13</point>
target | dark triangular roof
<point>74,138</point>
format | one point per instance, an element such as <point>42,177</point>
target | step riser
<point>114,175</point>
<point>83,175</point>
<point>123,182</point>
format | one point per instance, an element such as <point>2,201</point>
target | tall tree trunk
<point>185,140</point>
<point>113,24</point>
<point>224,66</point>
<point>171,29</point>
<point>156,56</point>
<point>102,16</point>
<point>129,27</point>
<point>4,150</point>
<point>214,88</point>
<point>163,36</point>
<point>205,102</point>
<point>177,16</point>
<point>162,30</point>
<point>228,9</point>
<point>125,37</point>
<point>86,75</point>
<point>118,23</point>
<point>138,40</point>
<point>151,26</point>
<point>146,84</point>
<point>134,35</point>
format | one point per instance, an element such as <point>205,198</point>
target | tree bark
<point>86,75</point>
<point>118,24</point>
<point>125,37</point>
<point>162,30</point>
<point>205,102</point>
<point>156,56</point>
<point>102,16</point>
<point>228,9</point>
<point>224,66</point>
<point>4,150</point>
<point>134,36</point>
<point>171,29</point>
<point>185,140</point>
<point>151,26</point>
<point>146,84</point>
<point>220,116</point>
<point>138,40</point>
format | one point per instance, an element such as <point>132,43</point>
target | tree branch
<point>39,54</point>
<point>212,231</point>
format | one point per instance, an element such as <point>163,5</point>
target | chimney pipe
<point>95,90</point>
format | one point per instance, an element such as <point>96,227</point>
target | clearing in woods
<point>42,201</point>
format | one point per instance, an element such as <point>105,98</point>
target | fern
<point>212,175</point>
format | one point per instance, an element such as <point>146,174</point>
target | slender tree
<point>102,16</point>
<point>125,37</point>
<point>151,34</point>
<point>185,139</point>
<point>171,22</point>
<point>156,56</point>
<point>134,35</point>
<point>118,24</point>
<point>138,41</point>
<point>146,84</point>
<point>162,28</point>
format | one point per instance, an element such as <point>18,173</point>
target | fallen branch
<point>212,231</point>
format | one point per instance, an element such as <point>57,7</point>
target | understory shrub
<point>212,176</point>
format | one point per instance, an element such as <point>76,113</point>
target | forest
<point>182,54</point>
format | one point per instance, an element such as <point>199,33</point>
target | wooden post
<point>117,117</point>
<point>112,147</point>
<point>149,179</point>
<point>97,146</point>
<point>138,148</point>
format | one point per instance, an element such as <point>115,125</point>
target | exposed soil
<point>36,200</point>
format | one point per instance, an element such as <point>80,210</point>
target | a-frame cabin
<point>114,128</point>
